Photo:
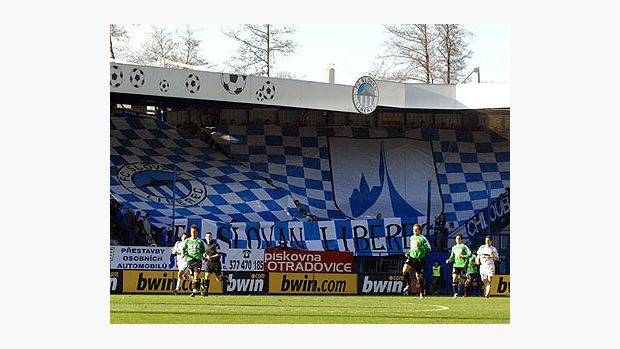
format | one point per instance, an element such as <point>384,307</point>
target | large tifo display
<point>276,173</point>
<point>154,166</point>
<point>357,172</point>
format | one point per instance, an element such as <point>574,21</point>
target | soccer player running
<point>194,248</point>
<point>459,256</point>
<point>472,274</point>
<point>487,256</point>
<point>416,258</point>
<point>214,263</point>
<point>181,261</point>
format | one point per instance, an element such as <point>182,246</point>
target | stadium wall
<point>280,271</point>
<point>258,283</point>
<point>258,90</point>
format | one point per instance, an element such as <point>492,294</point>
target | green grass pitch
<point>273,309</point>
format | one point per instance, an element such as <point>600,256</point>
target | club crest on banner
<point>157,183</point>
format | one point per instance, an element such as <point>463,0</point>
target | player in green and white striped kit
<point>472,275</point>
<point>459,255</point>
<point>416,258</point>
<point>194,248</point>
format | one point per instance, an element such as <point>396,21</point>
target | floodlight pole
<point>477,71</point>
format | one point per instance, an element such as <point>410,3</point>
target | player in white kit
<point>487,256</point>
<point>181,261</point>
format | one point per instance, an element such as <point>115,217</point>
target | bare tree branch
<point>159,45</point>
<point>258,46</point>
<point>189,48</point>
<point>453,51</point>
<point>117,34</point>
<point>425,53</point>
<point>410,47</point>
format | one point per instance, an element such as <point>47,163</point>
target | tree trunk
<point>111,48</point>
<point>268,63</point>
<point>427,64</point>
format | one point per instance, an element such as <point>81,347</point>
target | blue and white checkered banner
<point>154,167</point>
<point>336,173</point>
<point>373,237</point>
<point>327,168</point>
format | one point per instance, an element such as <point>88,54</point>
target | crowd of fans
<point>136,229</point>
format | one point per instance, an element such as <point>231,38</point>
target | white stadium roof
<point>199,85</point>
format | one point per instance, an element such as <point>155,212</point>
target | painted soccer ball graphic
<point>268,91</point>
<point>192,83</point>
<point>233,83</point>
<point>116,76</point>
<point>164,85</point>
<point>136,77</point>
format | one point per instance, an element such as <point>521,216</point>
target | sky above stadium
<point>352,48</point>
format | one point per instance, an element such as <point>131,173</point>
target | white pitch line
<point>441,307</point>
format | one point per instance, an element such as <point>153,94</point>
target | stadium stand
<point>284,173</point>
<point>234,192</point>
<point>303,170</point>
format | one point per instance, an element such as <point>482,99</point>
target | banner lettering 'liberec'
<point>373,237</point>
<point>243,244</point>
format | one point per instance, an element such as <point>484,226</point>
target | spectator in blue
<point>119,213</point>
<point>163,237</point>
<point>170,236</point>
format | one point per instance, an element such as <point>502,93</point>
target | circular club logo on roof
<point>365,95</point>
<point>158,183</point>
